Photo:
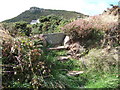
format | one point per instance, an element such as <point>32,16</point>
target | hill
<point>35,13</point>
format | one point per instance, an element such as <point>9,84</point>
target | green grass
<point>105,81</point>
<point>59,71</point>
<point>90,79</point>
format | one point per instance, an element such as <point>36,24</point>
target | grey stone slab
<point>54,38</point>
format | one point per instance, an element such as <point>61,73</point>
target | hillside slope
<point>35,13</point>
<point>105,21</point>
<point>108,16</point>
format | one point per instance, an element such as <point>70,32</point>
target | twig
<point>18,58</point>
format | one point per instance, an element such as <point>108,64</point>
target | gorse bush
<point>23,58</point>
<point>22,28</point>
<point>18,28</point>
<point>51,24</point>
<point>30,66</point>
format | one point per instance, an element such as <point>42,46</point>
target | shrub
<point>84,28</point>
<point>23,59</point>
<point>50,24</point>
<point>23,28</point>
<point>98,60</point>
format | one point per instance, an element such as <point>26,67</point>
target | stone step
<point>58,48</point>
<point>64,58</point>
<point>74,73</point>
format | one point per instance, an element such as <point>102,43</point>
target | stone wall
<point>54,38</point>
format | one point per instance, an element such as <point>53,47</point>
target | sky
<point>12,8</point>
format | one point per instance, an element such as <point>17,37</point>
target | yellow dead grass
<point>4,35</point>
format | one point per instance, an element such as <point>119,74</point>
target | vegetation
<point>93,28</point>
<point>27,62</point>
<point>49,24</point>
<point>47,72</point>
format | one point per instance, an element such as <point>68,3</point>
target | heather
<point>82,27</point>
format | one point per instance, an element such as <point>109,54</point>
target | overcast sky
<point>12,8</point>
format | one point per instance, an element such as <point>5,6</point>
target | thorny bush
<point>22,60</point>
